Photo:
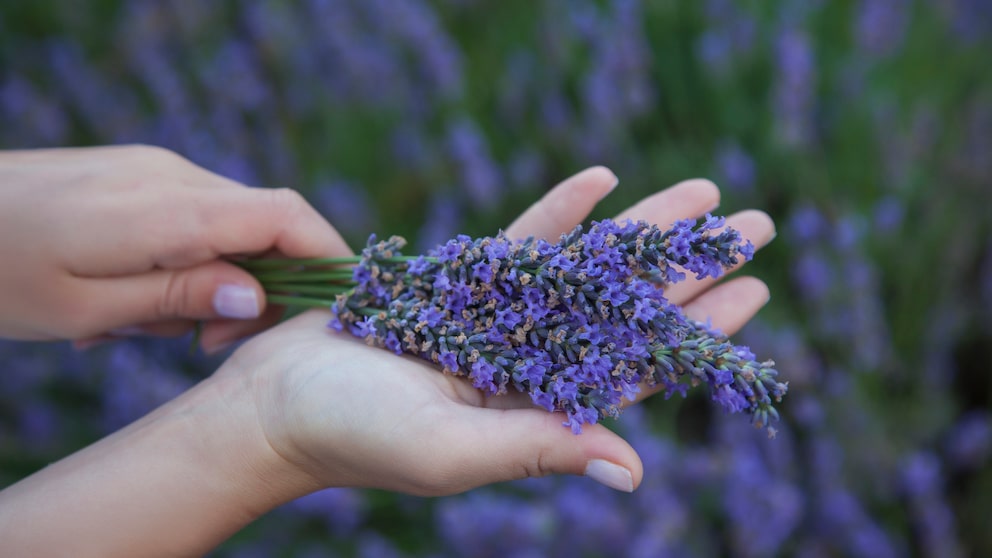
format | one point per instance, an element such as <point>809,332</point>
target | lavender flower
<point>880,25</point>
<point>579,325</point>
<point>795,89</point>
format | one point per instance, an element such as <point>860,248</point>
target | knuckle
<point>286,200</point>
<point>537,467</point>
<point>172,302</point>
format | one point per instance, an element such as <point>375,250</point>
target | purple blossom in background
<point>233,77</point>
<point>971,160</point>
<point>275,28</point>
<point>840,283</point>
<point>792,351</point>
<point>341,510</point>
<point>970,20</point>
<point>880,26</point>
<point>526,169</point>
<point>846,525</point>
<point>985,280</point>
<point>814,276</point>
<point>374,545</point>
<point>736,167</point>
<point>618,86</point>
<point>888,215</point>
<point>557,113</point>
<point>516,87</point>
<point>108,109</point>
<point>415,22</point>
<point>969,444</point>
<point>905,147</point>
<point>443,220</point>
<point>478,172</point>
<point>794,96</point>
<point>41,120</point>
<point>485,524</point>
<point>807,224</point>
<point>39,426</point>
<point>595,518</point>
<point>729,37</point>
<point>934,522</point>
<point>354,58</point>
<point>364,45</point>
<point>133,386</point>
<point>412,147</point>
<point>758,483</point>
<point>715,50</point>
<point>347,206</point>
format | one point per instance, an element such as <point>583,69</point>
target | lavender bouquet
<point>579,325</point>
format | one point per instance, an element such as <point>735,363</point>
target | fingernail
<point>236,301</point>
<point>610,474</point>
<point>612,186</point>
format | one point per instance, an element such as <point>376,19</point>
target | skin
<point>300,408</point>
<point>126,240</point>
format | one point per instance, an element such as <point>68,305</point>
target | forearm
<point>175,483</point>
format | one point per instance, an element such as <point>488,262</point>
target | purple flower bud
<point>577,324</point>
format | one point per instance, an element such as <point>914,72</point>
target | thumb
<point>211,290</point>
<point>513,444</point>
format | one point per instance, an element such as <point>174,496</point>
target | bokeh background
<point>864,127</point>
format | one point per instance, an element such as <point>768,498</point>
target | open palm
<point>348,414</point>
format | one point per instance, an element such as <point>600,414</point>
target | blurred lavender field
<point>864,127</point>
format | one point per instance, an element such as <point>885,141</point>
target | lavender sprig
<point>580,325</point>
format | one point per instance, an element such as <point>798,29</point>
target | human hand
<point>341,413</point>
<point>109,241</point>
<point>300,408</point>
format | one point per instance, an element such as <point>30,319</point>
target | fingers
<point>730,305</point>
<point>497,445</point>
<point>255,220</point>
<point>687,199</point>
<point>565,206</point>
<point>214,290</point>
<point>187,278</point>
<point>754,225</point>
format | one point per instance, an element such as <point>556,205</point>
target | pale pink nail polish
<point>610,474</point>
<point>236,301</point>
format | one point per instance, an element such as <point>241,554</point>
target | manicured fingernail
<point>610,474</point>
<point>236,301</point>
<point>612,187</point>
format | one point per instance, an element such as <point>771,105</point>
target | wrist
<point>179,481</point>
<point>221,418</point>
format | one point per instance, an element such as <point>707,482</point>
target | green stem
<point>304,289</point>
<point>284,263</point>
<point>287,264</point>
<point>302,276</point>
<point>299,301</point>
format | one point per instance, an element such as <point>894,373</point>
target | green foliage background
<point>882,309</point>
